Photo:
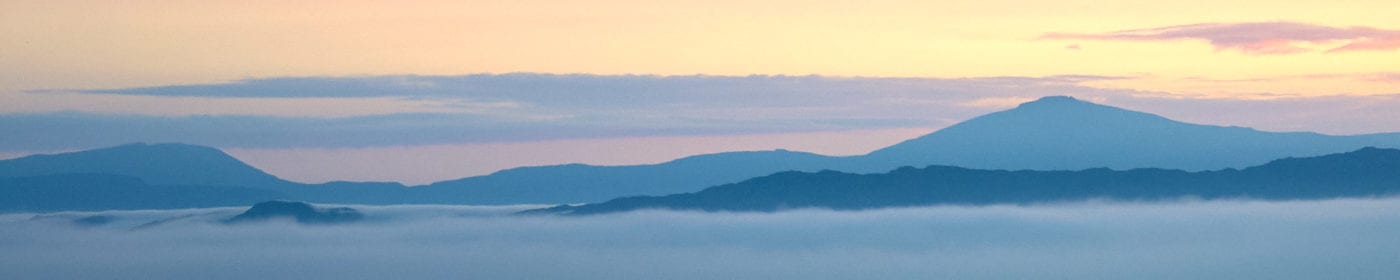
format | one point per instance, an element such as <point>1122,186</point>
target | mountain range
<point>160,176</point>
<point>1063,133</point>
<point>1052,133</point>
<point>1368,172</point>
<point>300,212</point>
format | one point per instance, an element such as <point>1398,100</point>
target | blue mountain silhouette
<point>1053,133</point>
<point>583,183</point>
<point>157,164</point>
<point>92,192</point>
<point>301,212</point>
<point>1063,133</point>
<point>1368,172</point>
<point>161,176</point>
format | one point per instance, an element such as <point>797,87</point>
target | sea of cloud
<point>1334,239</point>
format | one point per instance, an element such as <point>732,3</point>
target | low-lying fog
<point>1337,239</point>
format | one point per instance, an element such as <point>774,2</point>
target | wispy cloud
<point>587,89</point>
<point>516,107</point>
<point>543,107</point>
<point>1263,38</point>
<point>175,106</point>
<point>1385,77</point>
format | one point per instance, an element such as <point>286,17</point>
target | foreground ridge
<point>1369,172</point>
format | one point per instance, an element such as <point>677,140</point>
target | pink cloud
<point>1370,45</point>
<point>1263,38</point>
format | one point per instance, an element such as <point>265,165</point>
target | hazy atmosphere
<point>630,139</point>
<point>443,84</point>
<point>1352,239</point>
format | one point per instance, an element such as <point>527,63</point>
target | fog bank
<point>1338,239</point>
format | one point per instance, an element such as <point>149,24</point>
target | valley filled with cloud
<point>1341,239</point>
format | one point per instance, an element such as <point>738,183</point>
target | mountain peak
<point>1065,133</point>
<point>1065,110</point>
<point>1054,99</point>
<point>158,164</point>
<point>1061,103</point>
<point>142,147</point>
<point>301,212</point>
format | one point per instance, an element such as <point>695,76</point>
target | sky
<point>1347,239</point>
<point>420,91</point>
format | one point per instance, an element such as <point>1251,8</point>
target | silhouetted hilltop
<point>1063,133</point>
<point>162,176</point>
<point>1053,133</point>
<point>301,212</point>
<point>156,164</point>
<point>585,183</point>
<point>1362,173</point>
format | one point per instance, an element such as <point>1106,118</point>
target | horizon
<point>478,86</point>
<point>1049,99</point>
<point>681,139</point>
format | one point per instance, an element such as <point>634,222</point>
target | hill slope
<point>585,183</point>
<point>1063,133</point>
<point>162,176</point>
<point>1053,133</point>
<point>156,164</point>
<point>1362,173</point>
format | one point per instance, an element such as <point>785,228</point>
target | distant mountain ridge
<point>1063,133</point>
<point>1369,172</point>
<point>161,176</point>
<point>95,192</point>
<point>582,183</point>
<point>1052,133</point>
<point>158,164</point>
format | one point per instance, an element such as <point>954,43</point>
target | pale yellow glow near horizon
<point>88,44</point>
<point>63,44</point>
